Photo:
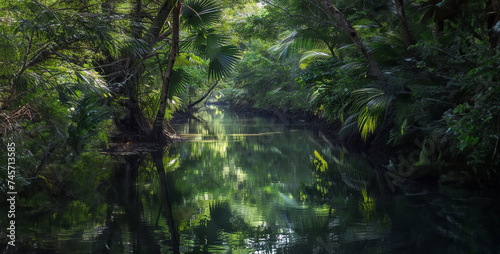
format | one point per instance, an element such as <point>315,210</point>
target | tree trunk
<point>134,125</point>
<point>157,132</point>
<point>153,34</point>
<point>126,70</point>
<point>353,35</point>
<point>204,96</point>
<point>403,23</point>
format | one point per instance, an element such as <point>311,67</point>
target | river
<point>241,183</point>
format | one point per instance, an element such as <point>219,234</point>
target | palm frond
<point>205,42</point>
<point>208,44</point>
<point>353,65</point>
<point>306,42</point>
<point>222,63</point>
<point>387,49</point>
<point>367,122</point>
<point>174,103</point>
<point>213,44</point>
<point>135,47</point>
<point>178,83</point>
<point>86,118</point>
<point>184,59</point>
<point>281,50</point>
<point>313,55</point>
<point>285,46</point>
<point>297,42</point>
<point>363,96</point>
<point>196,13</point>
<point>91,82</point>
<point>371,104</point>
<point>150,105</point>
<point>349,128</point>
<point>78,85</point>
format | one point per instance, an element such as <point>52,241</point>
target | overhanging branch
<point>204,96</point>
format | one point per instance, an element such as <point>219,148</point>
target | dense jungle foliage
<point>421,76</point>
<point>435,97</point>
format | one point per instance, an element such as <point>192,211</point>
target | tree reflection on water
<point>244,184</point>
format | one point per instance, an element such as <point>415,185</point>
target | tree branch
<point>204,96</point>
<point>353,35</point>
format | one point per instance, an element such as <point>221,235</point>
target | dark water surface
<point>247,184</point>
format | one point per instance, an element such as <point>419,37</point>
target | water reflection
<point>244,184</point>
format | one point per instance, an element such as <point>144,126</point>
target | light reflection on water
<point>246,184</point>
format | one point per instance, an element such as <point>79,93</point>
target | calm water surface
<point>247,184</point>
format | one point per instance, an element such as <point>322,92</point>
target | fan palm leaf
<point>205,42</point>
<point>210,45</point>
<point>178,83</point>
<point>134,47</point>
<point>198,13</point>
<point>223,62</point>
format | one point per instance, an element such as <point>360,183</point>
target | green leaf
<point>197,13</point>
<point>403,127</point>
<point>223,62</point>
<point>370,103</point>
<point>178,83</point>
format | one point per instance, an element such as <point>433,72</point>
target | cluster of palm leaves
<point>72,64</point>
<point>432,87</point>
<point>205,41</point>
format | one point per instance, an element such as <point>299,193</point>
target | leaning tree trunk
<point>353,35</point>
<point>204,96</point>
<point>405,29</point>
<point>154,32</point>
<point>157,132</point>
